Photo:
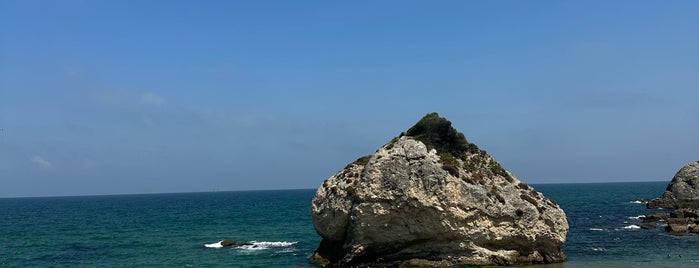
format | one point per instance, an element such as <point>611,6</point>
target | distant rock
<point>681,196</point>
<point>682,191</point>
<point>428,197</point>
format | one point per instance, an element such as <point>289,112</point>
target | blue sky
<point>110,97</point>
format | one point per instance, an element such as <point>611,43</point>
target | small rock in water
<point>227,243</point>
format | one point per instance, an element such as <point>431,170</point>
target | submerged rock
<point>228,243</point>
<point>647,225</point>
<point>430,197</point>
<point>681,196</point>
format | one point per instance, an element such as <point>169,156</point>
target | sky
<point>122,97</point>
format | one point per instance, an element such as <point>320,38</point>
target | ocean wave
<point>636,202</point>
<point>631,227</point>
<point>262,245</point>
<point>286,250</point>
<point>255,245</point>
<point>596,229</point>
<point>637,217</point>
<point>214,245</point>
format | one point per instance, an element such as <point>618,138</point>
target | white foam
<point>632,226</point>
<point>214,245</point>
<point>261,245</point>
<point>637,217</point>
<point>598,249</point>
<point>255,245</point>
<point>273,244</point>
<point>636,202</point>
<point>285,250</point>
<point>596,229</point>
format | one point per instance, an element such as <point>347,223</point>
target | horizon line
<point>273,190</point>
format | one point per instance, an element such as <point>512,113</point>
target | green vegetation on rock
<point>437,133</point>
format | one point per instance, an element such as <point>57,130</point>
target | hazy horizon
<point>122,97</point>
<point>273,190</point>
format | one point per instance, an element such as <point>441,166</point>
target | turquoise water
<point>171,230</point>
<point>604,227</point>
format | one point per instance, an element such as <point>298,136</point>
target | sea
<point>183,229</point>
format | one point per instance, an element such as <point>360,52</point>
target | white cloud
<point>152,99</point>
<point>41,162</point>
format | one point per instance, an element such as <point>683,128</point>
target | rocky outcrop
<point>682,191</point>
<point>681,196</point>
<point>429,197</point>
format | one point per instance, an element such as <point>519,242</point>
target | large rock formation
<point>682,191</point>
<point>682,196</point>
<point>430,197</point>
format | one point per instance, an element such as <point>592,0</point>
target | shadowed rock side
<point>682,191</point>
<point>681,196</point>
<point>405,205</point>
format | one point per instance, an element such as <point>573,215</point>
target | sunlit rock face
<point>429,197</point>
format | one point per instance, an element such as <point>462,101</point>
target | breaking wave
<point>632,227</point>
<point>262,245</point>
<point>214,245</point>
<point>255,245</point>
<point>637,217</point>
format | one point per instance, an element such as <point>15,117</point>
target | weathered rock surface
<point>682,191</point>
<point>656,217</point>
<point>681,196</point>
<point>410,204</point>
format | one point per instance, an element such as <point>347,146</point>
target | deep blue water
<point>604,227</point>
<point>171,230</point>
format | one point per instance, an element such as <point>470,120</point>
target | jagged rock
<point>677,226</point>
<point>656,217</point>
<point>432,198</point>
<point>693,228</point>
<point>681,196</point>
<point>682,191</point>
<point>685,213</point>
